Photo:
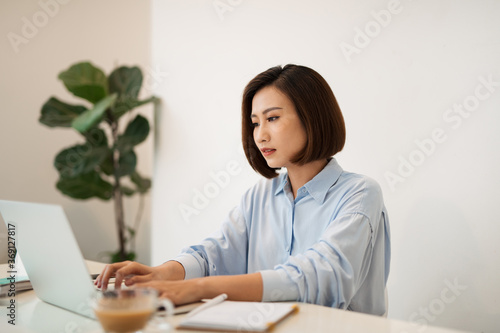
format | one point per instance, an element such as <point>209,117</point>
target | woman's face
<point>278,131</point>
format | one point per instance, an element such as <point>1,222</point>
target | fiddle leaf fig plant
<point>103,165</point>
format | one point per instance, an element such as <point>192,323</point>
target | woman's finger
<point>127,271</point>
<point>107,273</point>
<point>138,279</point>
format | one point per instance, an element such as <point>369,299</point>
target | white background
<point>395,91</point>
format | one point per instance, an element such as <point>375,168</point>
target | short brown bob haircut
<point>317,109</point>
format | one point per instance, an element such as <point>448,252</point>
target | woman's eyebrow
<point>267,110</point>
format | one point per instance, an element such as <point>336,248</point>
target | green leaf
<point>86,81</point>
<point>131,232</point>
<point>107,164</point>
<point>80,159</point>
<point>143,184</point>
<point>125,82</point>
<point>127,163</point>
<point>127,191</point>
<point>136,132</point>
<point>122,106</point>
<point>56,113</point>
<point>116,257</point>
<point>96,137</point>
<point>85,186</point>
<point>90,118</point>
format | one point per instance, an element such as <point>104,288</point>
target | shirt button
<point>303,190</point>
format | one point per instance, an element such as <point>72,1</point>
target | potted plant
<point>104,164</point>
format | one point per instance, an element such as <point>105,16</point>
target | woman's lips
<point>267,151</point>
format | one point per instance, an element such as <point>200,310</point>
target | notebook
<point>50,254</point>
<point>13,283</point>
<point>231,316</point>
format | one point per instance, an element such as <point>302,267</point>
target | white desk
<point>33,315</point>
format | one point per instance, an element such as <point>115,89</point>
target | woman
<point>314,233</point>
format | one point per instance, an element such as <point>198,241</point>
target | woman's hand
<point>132,272</point>
<point>179,292</point>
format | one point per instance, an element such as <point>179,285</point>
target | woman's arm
<point>168,280</point>
<point>245,287</point>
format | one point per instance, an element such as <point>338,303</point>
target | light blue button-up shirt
<point>330,245</point>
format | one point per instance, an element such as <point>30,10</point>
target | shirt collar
<point>318,186</point>
<point>283,180</point>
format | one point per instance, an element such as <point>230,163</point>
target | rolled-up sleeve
<point>278,286</point>
<point>193,265</point>
<point>331,271</point>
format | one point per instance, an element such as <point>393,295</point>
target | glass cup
<point>131,310</point>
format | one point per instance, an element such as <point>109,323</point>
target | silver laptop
<point>50,254</point>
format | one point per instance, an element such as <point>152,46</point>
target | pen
<point>212,302</point>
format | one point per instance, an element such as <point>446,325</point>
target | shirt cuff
<point>278,286</point>
<point>191,266</point>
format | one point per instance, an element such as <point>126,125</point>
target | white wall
<point>109,34</point>
<point>395,90</point>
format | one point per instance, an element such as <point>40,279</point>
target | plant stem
<point>117,193</point>
<point>138,219</point>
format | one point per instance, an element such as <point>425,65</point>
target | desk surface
<point>34,315</point>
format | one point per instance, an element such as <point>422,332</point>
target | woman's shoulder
<point>357,181</point>
<point>359,192</point>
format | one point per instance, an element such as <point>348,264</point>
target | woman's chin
<point>274,165</point>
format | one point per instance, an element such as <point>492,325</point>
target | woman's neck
<point>301,174</point>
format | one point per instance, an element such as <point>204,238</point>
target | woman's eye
<point>255,124</point>
<point>272,118</point>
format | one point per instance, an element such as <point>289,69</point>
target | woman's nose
<point>261,134</point>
